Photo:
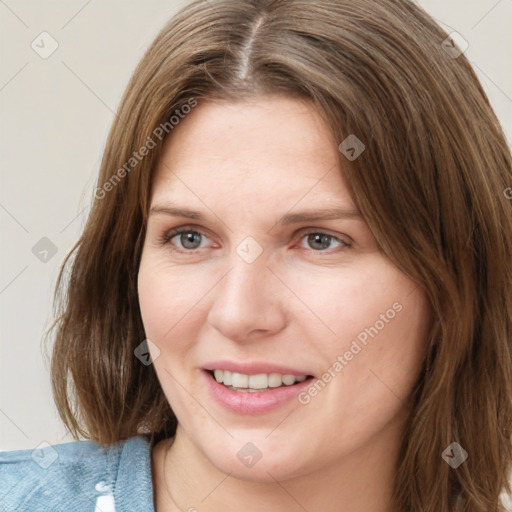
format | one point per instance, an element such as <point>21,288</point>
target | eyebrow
<point>289,218</point>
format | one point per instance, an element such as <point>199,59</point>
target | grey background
<point>55,115</point>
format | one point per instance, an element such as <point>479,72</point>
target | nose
<point>248,302</point>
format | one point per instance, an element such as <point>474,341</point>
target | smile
<point>254,383</point>
<point>238,392</point>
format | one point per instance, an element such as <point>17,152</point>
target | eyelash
<point>166,238</point>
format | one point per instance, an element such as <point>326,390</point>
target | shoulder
<point>77,476</point>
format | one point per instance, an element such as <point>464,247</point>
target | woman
<point>294,290</point>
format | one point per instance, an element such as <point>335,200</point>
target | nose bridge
<point>248,263</point>
<point>246,300</point>
<point>247,281</point>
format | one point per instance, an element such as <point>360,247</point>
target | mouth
<point>256,383</point>
<point>254,388</point>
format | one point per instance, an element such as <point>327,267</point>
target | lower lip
<point>246,402</point>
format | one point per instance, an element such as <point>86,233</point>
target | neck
<point>185,480</point>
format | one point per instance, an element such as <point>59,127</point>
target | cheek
<point>381,325</point>
<point>170,300</point>
<point>371,365</point>
<point>358,301</point>
<point>378,320</point>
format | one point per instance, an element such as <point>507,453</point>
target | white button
<point>105,504</point>
<point>103,487</point>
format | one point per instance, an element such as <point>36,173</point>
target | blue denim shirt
<point>78,476</point>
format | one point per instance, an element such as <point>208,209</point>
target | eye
<point>189,239</point>
<point>319,241</point>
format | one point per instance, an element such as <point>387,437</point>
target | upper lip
<point>253,368</point>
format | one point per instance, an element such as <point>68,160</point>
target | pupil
<point>187,238</point>
<point>193,239</point>
<point>323,240</point>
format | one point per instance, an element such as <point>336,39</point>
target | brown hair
<point>430,185</point>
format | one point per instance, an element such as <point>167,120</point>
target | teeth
<point>259,381</point>
<point>255,382</point>
<point>239,380</point>
<point>275,380</point>
<point>288,379</point>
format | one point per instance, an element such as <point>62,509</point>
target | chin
<point>262,461</point>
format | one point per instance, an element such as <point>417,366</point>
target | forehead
<point>269,149</point>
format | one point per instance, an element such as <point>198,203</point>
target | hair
<point>430,183</point>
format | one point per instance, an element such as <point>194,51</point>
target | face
<point>256,261</point>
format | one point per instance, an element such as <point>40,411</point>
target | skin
<point>300,303</point>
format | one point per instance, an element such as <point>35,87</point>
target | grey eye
<point>319,241</point>
<point>190,239</point>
